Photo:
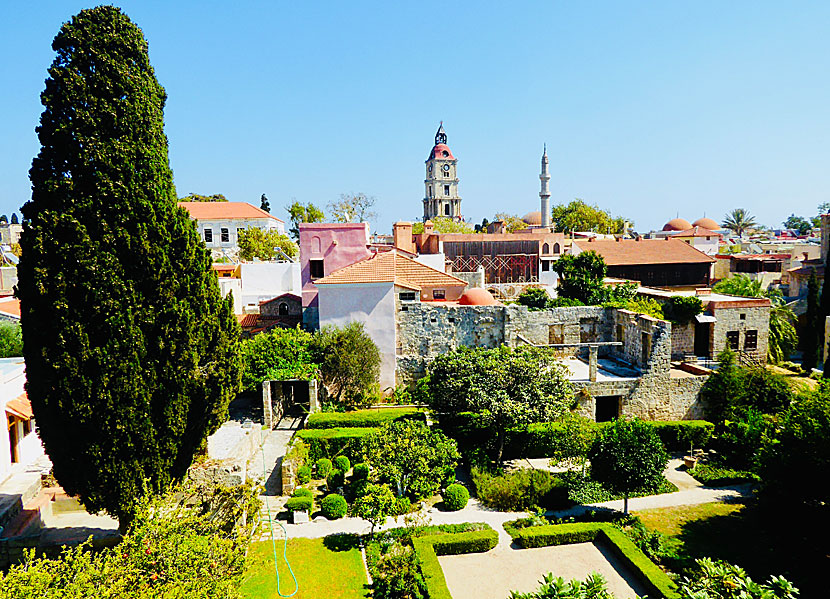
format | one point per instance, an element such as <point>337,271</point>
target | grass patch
<point>324,568</point>
<point>715,476</point>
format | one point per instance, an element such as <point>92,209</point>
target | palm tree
<point>740,285</point>
<point>739,220</point>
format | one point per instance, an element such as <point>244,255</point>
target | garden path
<point>691,493</point>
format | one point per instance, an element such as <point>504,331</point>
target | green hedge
<point>299,504</point>
<point>535,440</point>
<point>331,442</point>
<point>427,549</point>
<point>361,418</point>
<point>714,476</point>
<point>646,571</point>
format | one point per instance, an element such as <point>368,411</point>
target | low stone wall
<point>12,549</point>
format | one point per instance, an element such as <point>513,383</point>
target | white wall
<point>232,285</point>
<point>12,381</point>
<point>373,304</point>
<point>266,280</point>
<point>436,261</point>
<point>233,225</point>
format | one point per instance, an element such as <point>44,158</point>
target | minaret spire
<point>544,193</point>
<point>441,135</point>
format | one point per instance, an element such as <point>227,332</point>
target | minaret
<point>441,197</point>
<point>545,192</point>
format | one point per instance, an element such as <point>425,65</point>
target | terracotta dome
<point>533,218</point>
<point>478,297</point>
<point>706,223</point>
<point>677,224</point>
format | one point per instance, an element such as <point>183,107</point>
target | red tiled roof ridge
<point>231,210</point>
<point>390,267</point>
<point>619,252</point>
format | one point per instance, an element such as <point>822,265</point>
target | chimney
<point>428,227</point>
<point>402,236</point>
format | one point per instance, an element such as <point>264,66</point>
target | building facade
<point>441,199</point>
<point>220,223</point>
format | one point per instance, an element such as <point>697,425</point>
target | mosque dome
<point>478,297</point>
<point>533,218</point>
<point>677,224</point>
<point>707,223</point>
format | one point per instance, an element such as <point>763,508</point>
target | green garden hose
<point>271,528</point>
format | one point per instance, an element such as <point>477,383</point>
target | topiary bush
<point>335,480</point>
<point>303,474</point>
<point>323,467</point>
<point>299,504</point>
<point>455,497</point>
<point>302,492</point>
<point>360,471</point>
<point>341,462</point>
<point>334,506</point>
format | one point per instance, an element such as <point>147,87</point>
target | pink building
<point>325,248</point>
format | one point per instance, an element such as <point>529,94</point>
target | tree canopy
<point>580,216</point>
<point>508,386</point>
<point>256,243</point>
<point>739,221</point>
<point>349,363</point>
<point>276,355</point>
<point>302,213</point>
<point>581,277</point>
<point>131,352</point>
<point>195,197</point>
<point>799,224</point>
<point>11,340</point>
<point>264,204</point>
<point>353,208</point>
<point>628,455</point>
<point>413,458</point>
<point>442,224</point>
<point>512,222</point>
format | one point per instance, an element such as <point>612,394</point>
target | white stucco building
<point>21,446</point>
<point>255,282</point>
<point>219,223</point>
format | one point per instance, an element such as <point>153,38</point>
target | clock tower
<point>441,198</point>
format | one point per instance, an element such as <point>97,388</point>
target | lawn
<point>740,534</point>
<point>327,568</point>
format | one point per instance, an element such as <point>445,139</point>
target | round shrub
<point>456,497</point>
<point>360,471</point>
<point>334,506</point>
<point>323,467</point>
<point>402,506</point>
<point>341,462</point>
<point>336,479</point>
<point>302,492</point>
<point>299,504</point>
<point>303,474</point>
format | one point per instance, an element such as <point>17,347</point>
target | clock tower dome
<point>441,198</point>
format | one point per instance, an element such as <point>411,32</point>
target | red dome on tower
<point>442,152</point>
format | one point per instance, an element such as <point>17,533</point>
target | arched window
<point>556,248</point>
<point>315,244</point>
<point>545,249</point>
<point>283,309</point>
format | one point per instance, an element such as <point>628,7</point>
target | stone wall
<point>431,329</point>
<point>682,340</point>
<point>732,316</point>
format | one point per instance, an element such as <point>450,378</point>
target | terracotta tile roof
<point>645,251</point>
<point>10,307</point>
<point>20,407</point>
<point>696,231</point>
<point>247,320</point>
<point>224,210</point>
<point>391,267</point>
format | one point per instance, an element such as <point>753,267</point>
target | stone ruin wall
<point>425,331</point>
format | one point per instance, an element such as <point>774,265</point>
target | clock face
<point>446,168</point>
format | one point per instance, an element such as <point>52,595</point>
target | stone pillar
<point>592,363</point>
<point>313,403</point>
<point>267,412</point>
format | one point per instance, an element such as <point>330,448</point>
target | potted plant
<point>690,461</point>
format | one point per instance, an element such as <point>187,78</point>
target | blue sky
<point>649,109</point>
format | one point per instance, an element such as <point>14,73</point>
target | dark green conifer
<point>131,353</point>
<point>811,340</point>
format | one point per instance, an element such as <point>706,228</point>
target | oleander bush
<point>334,506</point>
<point>324,467</point>
<point>342,463</point>
<point>455,497</point>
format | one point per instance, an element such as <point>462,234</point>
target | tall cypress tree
<point>131,353</point>
<point>824,312</point>
<point>812,335</point>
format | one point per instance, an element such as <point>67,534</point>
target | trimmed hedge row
<point>564,534</point>
<point>427,550</point>
<point>535,440</point>
<point>331,442</point>
<point>361,418</point>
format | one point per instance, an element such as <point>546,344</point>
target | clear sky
<point>649,109</point>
